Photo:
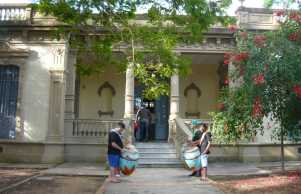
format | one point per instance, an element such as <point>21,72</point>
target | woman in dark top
<point>115,148</point>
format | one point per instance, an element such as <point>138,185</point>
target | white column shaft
<point>129,92</point>
<point>174,96</point>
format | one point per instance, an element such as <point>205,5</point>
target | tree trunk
<point>282,151</point>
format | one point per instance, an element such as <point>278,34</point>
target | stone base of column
<point>171,125</point>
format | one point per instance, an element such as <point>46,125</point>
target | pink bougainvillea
<point>244,35</point>
<point>227,58</point>
<point>258,79</point>
<point>226,62</point>
<point>227,55</point>
<point>226,82</point>
<point>257,107</point>
<point>243,56</point>
<point>241,70</point>
<point>294,36</point>
<point>260,41</point>
<point>294,16</point>
<point>232,28</point>
<point>279,13</point>
<point>297,90</point>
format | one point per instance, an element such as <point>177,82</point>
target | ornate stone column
<point>174,104</point>
<point>70,95</point>
<point>174,97</point>
<point>129,114</point>
<point>70,86</point>
<point>129,92</point>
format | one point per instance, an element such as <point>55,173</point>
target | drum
<point>192,157</point>
<point>129,161</point>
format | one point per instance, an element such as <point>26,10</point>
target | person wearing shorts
<point>115,148</point>
<point>205,144</point>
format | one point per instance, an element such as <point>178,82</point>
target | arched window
<point>192,94</point>
<point>106,91</point>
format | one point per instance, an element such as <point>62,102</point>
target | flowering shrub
<point>269,67</point>
<point>297,90</point>
<point>258,79</point>
<point>260,40</point>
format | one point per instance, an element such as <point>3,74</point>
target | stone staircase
<point>157,155</point>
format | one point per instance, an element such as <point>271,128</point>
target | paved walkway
<point>160,181</point>
<point>78,169</point>
<point>215,169</point>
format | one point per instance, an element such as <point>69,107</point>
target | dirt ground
<point>59,185</point>
<point>9,176</point>
<point>288,183</point>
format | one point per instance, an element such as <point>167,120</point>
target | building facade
<point>50,114</point>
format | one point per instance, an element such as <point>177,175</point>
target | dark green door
<point>9,79</point>
<point>162,114</point>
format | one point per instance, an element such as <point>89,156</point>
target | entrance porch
<point>99,102</point>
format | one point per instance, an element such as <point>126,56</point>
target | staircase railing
<point>180,134</point>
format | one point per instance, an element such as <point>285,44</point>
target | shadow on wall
<point>35,94</point>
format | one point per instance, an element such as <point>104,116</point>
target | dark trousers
<point>143,130</point>
<point>152,131</point>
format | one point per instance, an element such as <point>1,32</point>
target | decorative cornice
<point>7,51</point>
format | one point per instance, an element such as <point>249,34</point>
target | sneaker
<point>117,175</point>
<point>193,173</point>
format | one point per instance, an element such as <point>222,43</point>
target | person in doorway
<point>143,117</point>
<point>205,143</point>
<point>115,148</point>
<point>197,134</point>
<point>152,126</point>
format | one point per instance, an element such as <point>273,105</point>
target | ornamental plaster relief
<point>261,18</point>
<point>212,44</point>
<point>58,56</point>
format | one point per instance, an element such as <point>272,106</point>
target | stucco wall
<point>205,77</point>
<point>35,94</point>
<point>89,100</point>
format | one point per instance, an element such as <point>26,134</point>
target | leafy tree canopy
<point>108,26</point>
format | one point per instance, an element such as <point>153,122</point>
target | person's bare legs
<point>204,161</point>
<point>117,173</point>
<point>204,173</point>
<point>112,176</point>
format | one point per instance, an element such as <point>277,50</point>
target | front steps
<point>157,155</point>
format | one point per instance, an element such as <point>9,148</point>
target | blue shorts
<point>204,160</point>
<point>113,160</point>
